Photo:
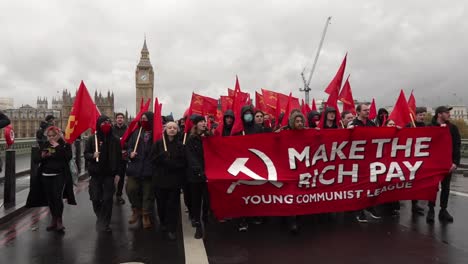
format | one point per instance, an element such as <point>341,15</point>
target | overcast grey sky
<point>200,45</point>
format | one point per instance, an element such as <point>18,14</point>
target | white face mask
<point>248,117</point>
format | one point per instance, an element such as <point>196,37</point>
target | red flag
<point>287,113</point>
<point>142,103</point>
<point>314,106</point>
<point>201,105</point>
<point>412,104</point>
<point>400,113</point>
<point>83,116</point>
<point>239,102</point>
<point>9,135</point>
<point>157,121</point>
<point>259,103</point>
<point>372,110</point>
<point>346,97</point>
<point>335,84</point>
<point>226,103</point>
<point>134,124</point>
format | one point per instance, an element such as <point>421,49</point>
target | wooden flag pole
<point>342,124</point>
<point>412,119</point>
<point>138,140</point>
<point>164,142</point>
<point>185,137</point>
<point>96,143</point>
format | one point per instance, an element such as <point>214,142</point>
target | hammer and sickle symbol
<point>238,166</point>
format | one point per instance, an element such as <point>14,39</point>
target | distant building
<point>6,103</point>
<point>144,79</point>
<point>26,119</point>
<point>459,112</point>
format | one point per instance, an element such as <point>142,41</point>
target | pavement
<point>334,238</point>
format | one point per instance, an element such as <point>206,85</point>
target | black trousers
<point>168,201</point>
<point>200,203</point>
<point>101,193</point>
<point>187,198</point>
<point>444,192</point>
<point>122,172</point>
<point>53,188</point>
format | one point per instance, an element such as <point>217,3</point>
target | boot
<point>430,215</point>
<point>53,224</point>
<point>198,232</point>
<point>444,216</point>
<point>135,216</point>
<point>60,228</point>
<point>147,220</point>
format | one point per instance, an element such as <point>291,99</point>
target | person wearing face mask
<point>250,127</point>
<point>103,165</point>
<point>140,172</point>
<point>196,173</point>
<point>169,177</point>
<point>54,180</point>
<point>314,118</point>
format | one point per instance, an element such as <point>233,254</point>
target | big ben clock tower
<point>144,79</point>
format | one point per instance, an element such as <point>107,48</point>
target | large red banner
<point>316,171</point>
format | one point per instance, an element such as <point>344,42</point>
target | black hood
<point>150,116</point>
<point>101,119</point>
<point>244,109</point>
<point>330,110</point>
<point>310,118</point>
<point>228,113</point>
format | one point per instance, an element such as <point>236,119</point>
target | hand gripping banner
<point>312,171</point>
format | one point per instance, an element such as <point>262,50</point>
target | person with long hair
<point>53,177</point>
<point>169,162</point>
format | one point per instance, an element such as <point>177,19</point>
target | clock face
<point>143,77</point>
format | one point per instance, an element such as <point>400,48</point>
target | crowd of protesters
<point>157,173</point>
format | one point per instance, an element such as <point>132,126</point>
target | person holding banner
<point>103,154</point>
<point>169,160</point>
<point>314,118</point>
<point>330,118</point>
<point>442,118</point>
<point>362,120</point>
<point>382,116</point>
<point>196,173</point>
<point>346,118</point>
<point>419,122</point>
<point>140,172</point>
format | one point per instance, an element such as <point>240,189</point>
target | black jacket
<point>119,131</point>
<point>195,158</point>
<point>358,123</point>
<point>4,120</point>
<point>140,166</point>
<point>59,160</point>
<point>110,155</point>
<point>169,166</point>
<point>456,140</point>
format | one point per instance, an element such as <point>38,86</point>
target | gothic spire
<point>144,59</point>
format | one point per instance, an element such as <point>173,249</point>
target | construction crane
<point>306,88</point>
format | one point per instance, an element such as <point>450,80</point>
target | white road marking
<point>195,252</point>
<point>459,193</point>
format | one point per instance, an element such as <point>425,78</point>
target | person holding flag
<point>140,171</point>
<point>103,154</point>
<point>169,160</point>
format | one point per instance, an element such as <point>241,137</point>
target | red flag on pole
<point>142,104</point>
<point>83,116</point>
<point>335,84</point>
<point>346,97</point>
<point>412,105</point>
<point>157,121</point>
<point>287,113</point>
<point>401,113</point>
<point>305,109</point>
<point>134,124</point>
<point>237,105</point>
<point>372,110</point>
<point>314,106</point>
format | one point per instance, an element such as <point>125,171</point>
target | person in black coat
<point>4,120</point>
<point>53,178</point>
<point>103,165</point>
<point>442,118</point>
<point>196,173</point>
<point>169,162</point>
<point>140,172</point>
<point>119,130</point>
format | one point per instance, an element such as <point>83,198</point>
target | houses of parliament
<point>26,119</point>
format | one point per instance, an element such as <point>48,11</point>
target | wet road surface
<point>322,239</point>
